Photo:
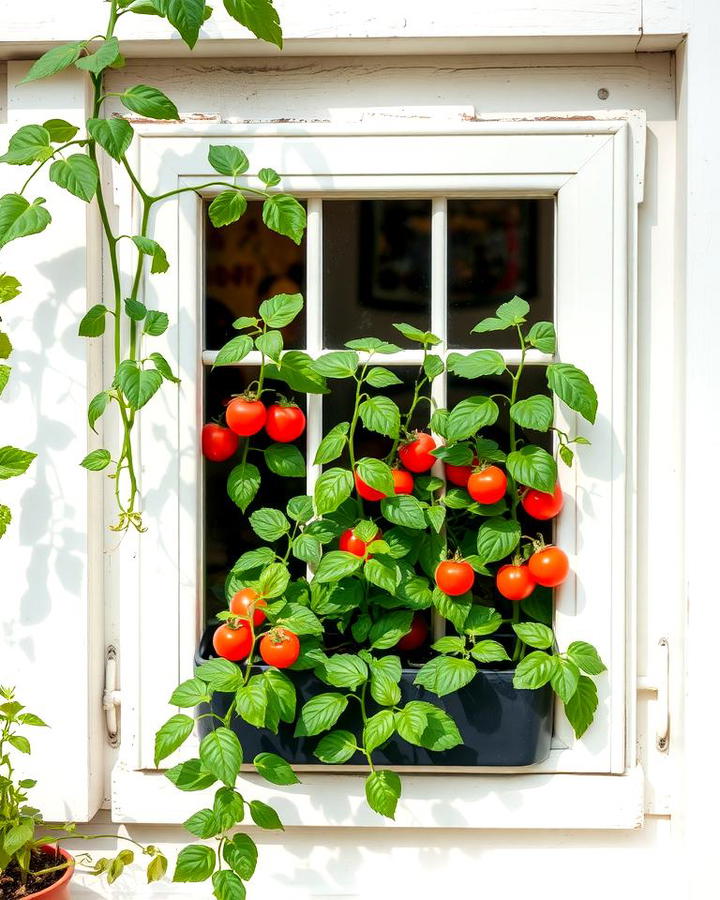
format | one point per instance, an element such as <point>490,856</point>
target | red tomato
<point>247,602</point>
<point>515,582</point>
<point>351,543</point>
<point>365,491</point>
<point>459,475</point>
<point>232,643</point>
<point>284,423</point>
<point>218,443</point>
<point>542,506</point>
<point>245,417</point>
<point>417,635</point>
<point>549,566</point>
<point>454,577</point>
<point>403,481</point>
<point>280,647</point>
<point>415,455</point>
<point>488,485</point>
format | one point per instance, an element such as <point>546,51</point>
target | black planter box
<point>499,725</point>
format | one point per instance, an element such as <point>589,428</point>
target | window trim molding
<point>622,139</point>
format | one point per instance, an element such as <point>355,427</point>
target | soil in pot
<point>48,886</point>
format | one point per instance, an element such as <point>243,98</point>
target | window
<point>556,201</point>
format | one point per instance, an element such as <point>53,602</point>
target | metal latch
<point>111,696</point>
<point>660,687</point>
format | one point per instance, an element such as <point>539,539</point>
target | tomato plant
<point>280,648</point>
<point>244,416</point>
<point>417,635</point>
<point>232,643</point>
<point>351,543</point>
<point>515,582</point>
<point>541,505</point>
<point>488,485</point>
<point>285,422</point>
<point>415,454</point>
<point>218,443</point>
<point>454,577</point>
<point>549,566</point>
<point>248,603</point>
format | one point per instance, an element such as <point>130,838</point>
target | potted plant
<point>421,631</point>
<point>32,861</point>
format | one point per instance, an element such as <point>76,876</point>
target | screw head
<point>603,94</point>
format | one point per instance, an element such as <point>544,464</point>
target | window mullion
<point>314,320</point>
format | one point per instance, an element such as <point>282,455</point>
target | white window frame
<point>592,168</point>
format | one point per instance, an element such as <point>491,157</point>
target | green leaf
<point>14,462</point>
<point>194,863</point>
<point>337,364</point>
<point>542,336</point>
<point>264,816</point>
<point>252,702</point>
<point>96,461</point>
<point>285,460</point>
<point>190,776</point>
<point>274,580</point>
<point>331,489</point>
<point>497,538</point>
<point>227,208</point>
<point>135,310</point>
<point>449,644</point>
<point>187,17</point>
<point>102,58</point>
<point>280,310</point>
<point>381,414</point>
<point>445,674</point>
<point>385,673</point>
<point>586,657</point>
<point>149,102</point>
<point>243,484</point>
<point>9,288</point>
<point>5,518</point>
<point>404,509</point>
<point>565,679</point>
<point>539,605</point>
<point>17,837</point>
<point>234,351</point>
<point>333,444</point>
<point>376,474</point>
<point>19,218</point>
<point>336,747</point>
<point>220,674</point>
<point>113,135</point>
<point>60,131</point>
<point>296,370</point>
<point>436,517</point>
<point>425,725</point>
<point>203,824</point>
<point>476,365</point>
<point>271,344</point>
<point>580,709</point>
<point>574,388</point>
<point>454,609</point>
<point>229,807</point>
<point>514,311</point>
<point>283,690</point>
<point>566,454</point>
<point>269,524</point>
<point>54,61</point>
<point>269,177</point>
<point>534,671</point>
<point>534,634</point>
<point>534,467</point>
<point>163,367</point>
<point>300,509</point>
<point>379,377</point>
<point>382,790</point>
<point>138,385</point>
<point>156,323</point>
<point>535,413</point>
<point>5,346</point>
<point>275,769</point>
<point>469,416</point>
<point>259,16</point>
<point>345,670</point>
<point>283,214</point>
<point>253,559</point>
<point>383,572</point>
<point>190,693</point>
<point>151,248</point>
<point>92,323</point>
<point>481,620</point>
<point>489,651</point>
<point>221,755</point>
<point>308,549</point>
<point>320,713</point>
<point>388,629</point>
<point>378,729</point>
<point>337,564</point>
<point>227,885</point>
<point>4,377</point>
<point>171,735</point>
<point>241,853</point>
<point>433,366</point>
<point>412,333</point>
<point>20,743</point>
<point>29,144</point>
<point>372,345</point>
<point>300,620</point>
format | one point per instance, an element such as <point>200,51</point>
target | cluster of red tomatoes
<point>235,640</point>
<point>283,422</point>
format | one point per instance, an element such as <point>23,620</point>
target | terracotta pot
<point>61,889</point>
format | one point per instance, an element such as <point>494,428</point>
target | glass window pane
<point>245,263</point>
<point>376,267</point>
<point>497,248</point>
<point>227,531</point>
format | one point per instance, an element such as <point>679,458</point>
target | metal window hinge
<point>659,685</point>
<point>111,696</point>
